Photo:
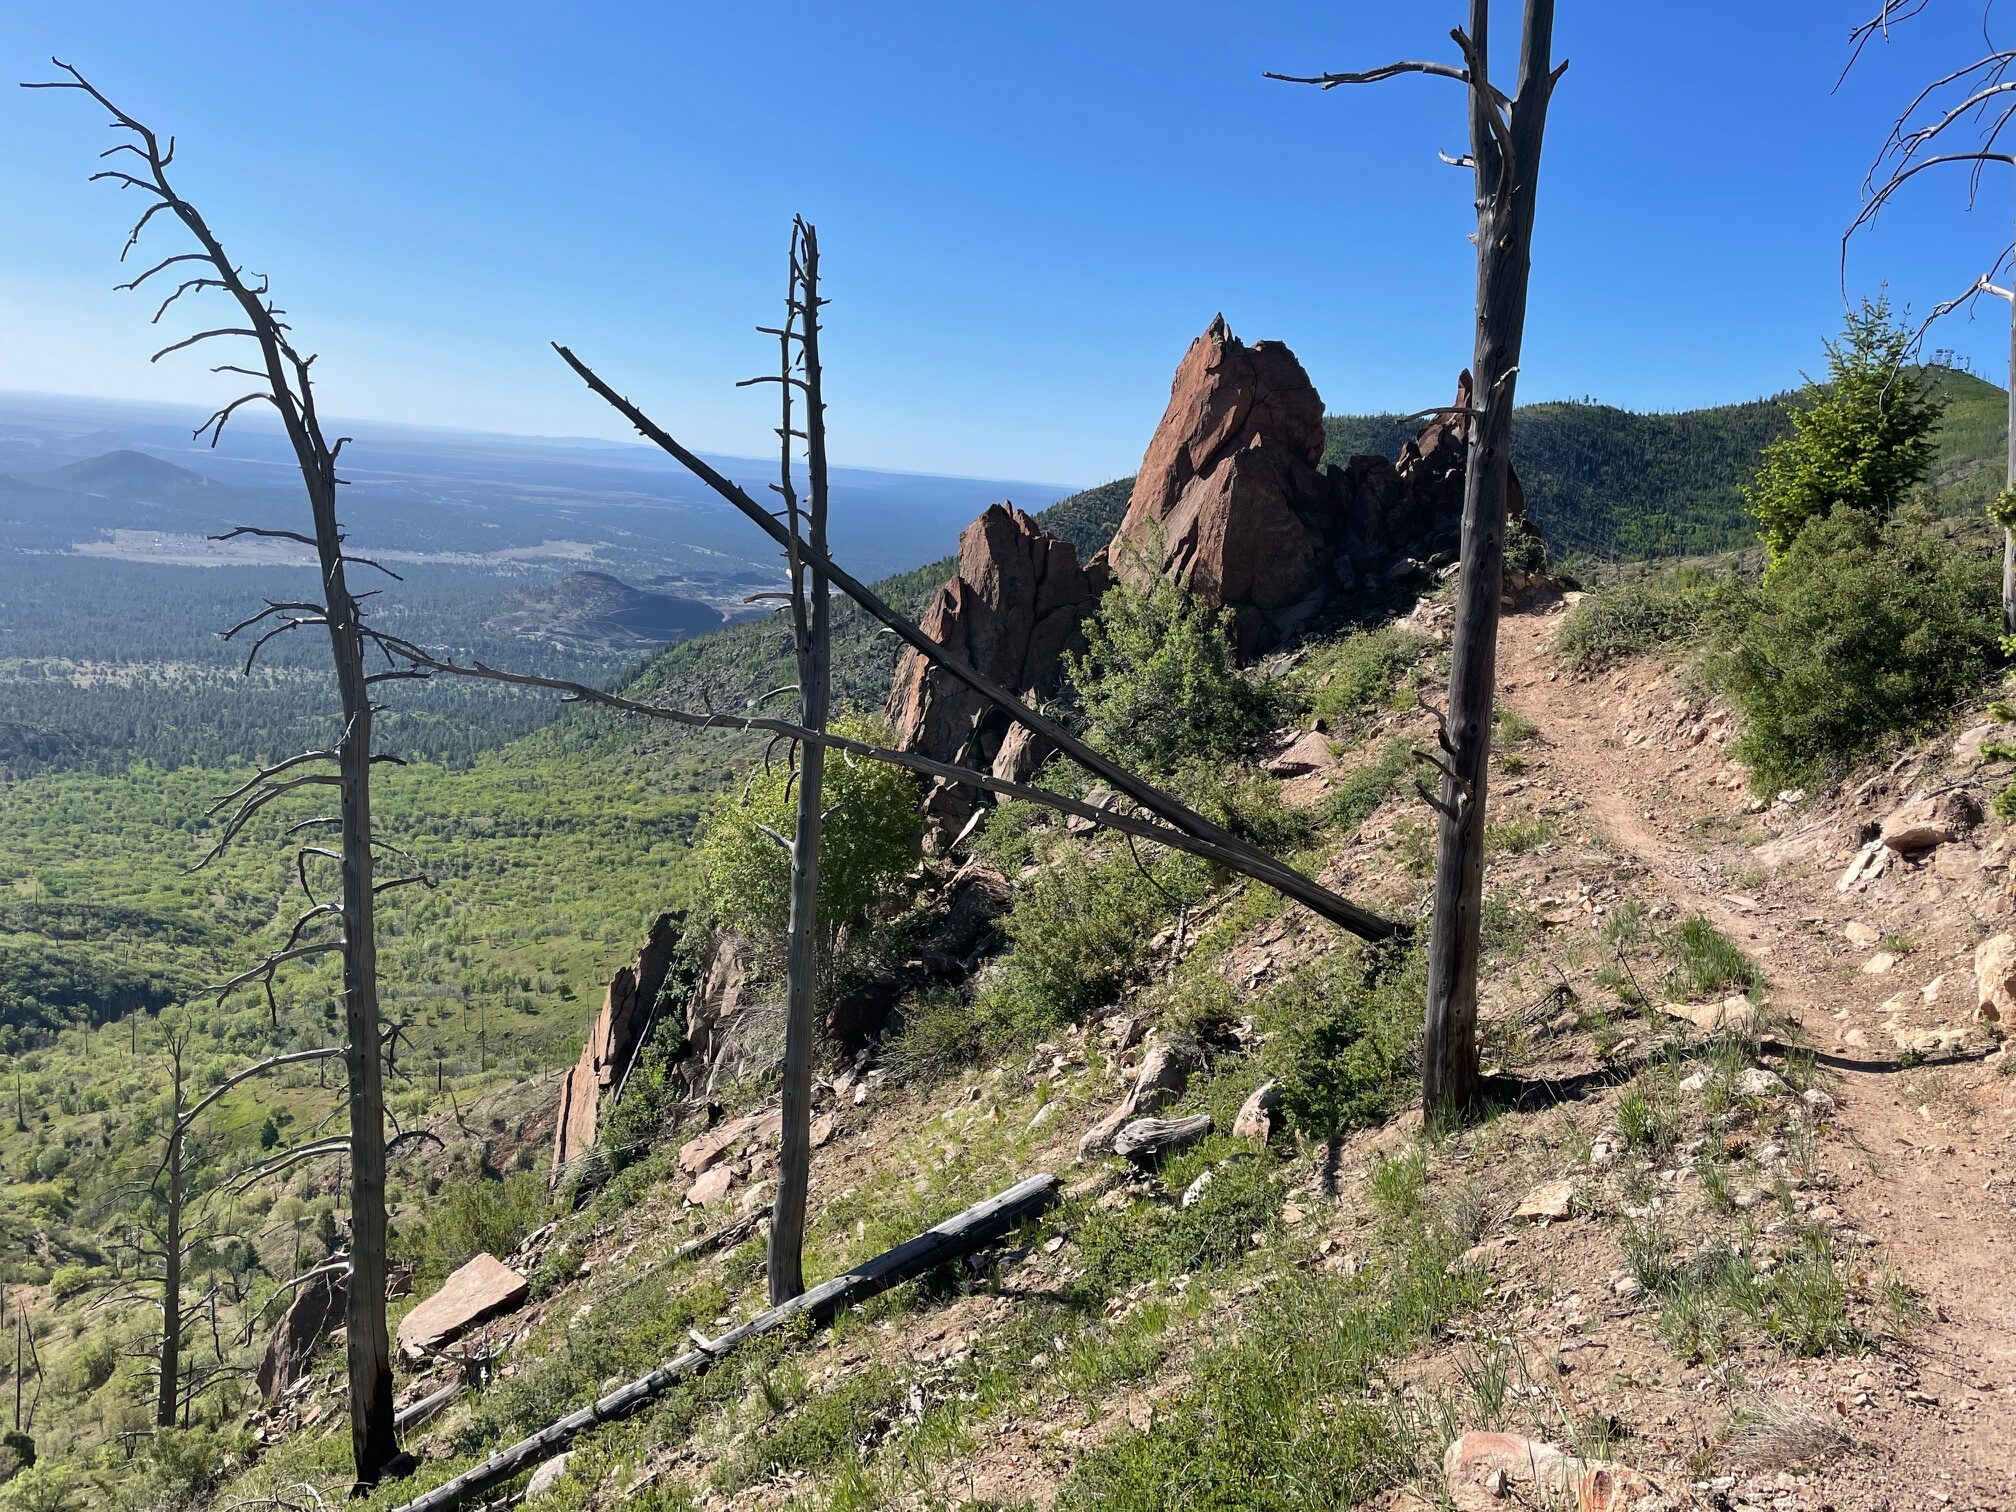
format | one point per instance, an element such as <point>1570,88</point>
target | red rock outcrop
<point>1011,611</point>
<point>612,1043</point>
<point>1432,466</point>
<point>1232,501</point>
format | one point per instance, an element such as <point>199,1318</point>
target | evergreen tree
<point>1863,439</point>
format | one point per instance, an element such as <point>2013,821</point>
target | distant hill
<point>596,610</point>
<point>127,474</point>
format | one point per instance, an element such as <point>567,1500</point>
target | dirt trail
<point>1916,1155</point>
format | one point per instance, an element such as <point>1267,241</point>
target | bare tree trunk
<point>171,1272</point>
<point>1507,164</point>
<point>812,609</point>
<point>284,371</point>
<point>372,1437</point>
<point>2009,536</point>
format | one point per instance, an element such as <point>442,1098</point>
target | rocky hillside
<point>1744,1055</point>
<point>1700,1256</point>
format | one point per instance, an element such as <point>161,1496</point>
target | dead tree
<point>1184,828</point>
<point>282,381</point>
<point>1956,121</point>
<point>1506,134</point>
<point>812,643</point>
<point>175,1318</point>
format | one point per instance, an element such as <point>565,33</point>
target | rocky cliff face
<point>612,1043</point>
<point>1011,611</point>
<point>1232,502</point>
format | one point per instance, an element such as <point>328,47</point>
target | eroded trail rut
<point>1918,1154</point>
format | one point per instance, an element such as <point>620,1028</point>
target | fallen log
<point>427,1407</point>
<point>1147,1140</point>
<point>957,1236</point>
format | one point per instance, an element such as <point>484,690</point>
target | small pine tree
<point>1158,684</point>
<point>1863,438</point>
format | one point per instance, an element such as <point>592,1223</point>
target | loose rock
<point>1995,979</point>
<point>1549,1200</point>
<point>1255,1122</point>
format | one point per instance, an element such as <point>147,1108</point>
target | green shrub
<point>1298,1409</point>
<point>1861,635</point>
<point>1359,792</point>
<point>1007,836</point>
<point>472,1217</point>
<point>937,1032</point>
<point>1860,442</point>
<point>1078,932</point>
<point>1349,678</point>
<point>1158,684</point>
<point>1627,618</point>
<point>1344,1037</point>
<point>816,1431</point>
<point>868,847</point>
<point>1159,1240</point>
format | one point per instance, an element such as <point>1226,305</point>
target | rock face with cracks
<point>1011,611</point>
<point>1232,501</point>
<point>612,1045</point>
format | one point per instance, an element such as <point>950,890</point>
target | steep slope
<point>1754,1266</point>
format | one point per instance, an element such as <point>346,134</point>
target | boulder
<point>1255,1122</point>
<point>1733,1015</point>
<point>703,1152</point>
<point>1305,754</point>
<point>1488,1472</point>
<point>1011,611</point>
<point>1974,744</point>
<point>1926,822</point>
<point>547,1476</point>
<point>1995,979</point>
<point>712,1186</point>
<point>316,1311</point>
<point>480,1290</point>
<point>1551,1200</point>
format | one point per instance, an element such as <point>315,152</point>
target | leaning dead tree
<point>1506,134</point>
<point>1174,823</point>
<point>343,925</point>
<point>1956,122</point>
<point>799,527</point>
<point>812,644</point>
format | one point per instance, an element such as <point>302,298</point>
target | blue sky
<point>1028,209</point>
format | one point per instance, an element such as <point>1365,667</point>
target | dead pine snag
<point>1506,135</point>
<point>343,925</point>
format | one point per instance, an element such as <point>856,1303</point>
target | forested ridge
<point>1626,485</point>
